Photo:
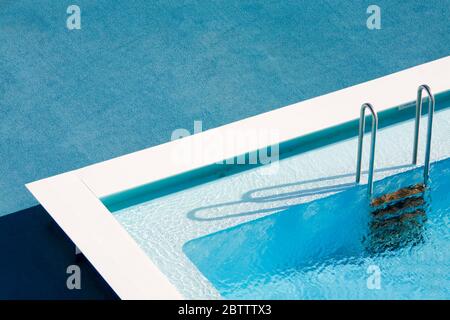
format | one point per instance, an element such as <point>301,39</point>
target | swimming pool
<point>137,217</point>
<point>298,234</point>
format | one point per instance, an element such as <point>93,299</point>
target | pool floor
<point>331,248</point>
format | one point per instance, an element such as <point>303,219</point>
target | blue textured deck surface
<point>138,70</point>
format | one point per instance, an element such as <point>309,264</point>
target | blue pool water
<point>325,249</point>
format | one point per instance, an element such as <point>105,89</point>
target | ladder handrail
<point>362,123</point>
<point>431,104</point>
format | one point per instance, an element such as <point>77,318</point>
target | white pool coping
<point>72,198</point>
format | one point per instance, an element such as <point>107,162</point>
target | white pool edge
<point>72,198</point>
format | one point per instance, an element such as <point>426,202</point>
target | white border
<point>72,198</point>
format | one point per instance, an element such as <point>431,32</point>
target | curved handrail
<point>362,123</point>
<point>431,103</point>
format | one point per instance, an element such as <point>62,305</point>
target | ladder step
<point>396,232</point>
<point>398,195</point>
<point>398,207</point>
<point>398,220</point>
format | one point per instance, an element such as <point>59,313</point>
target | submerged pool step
<point>396,232</point>
<point>400,194</point>
<point>398,207</point>
<point>398,219</point>
<point>401,202</point>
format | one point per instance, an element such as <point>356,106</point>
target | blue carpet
<point>137,70</point>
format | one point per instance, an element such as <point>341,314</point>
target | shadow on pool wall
<point>35,256</point>
<point>250,196</point>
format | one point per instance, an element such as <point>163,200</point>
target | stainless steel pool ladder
<point>431,104</point>
<point>362,121</point>
<point>362,124</point>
